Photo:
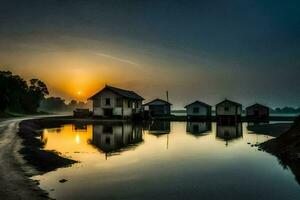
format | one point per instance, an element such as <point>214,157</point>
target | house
<point>198,110</point>
<point>228,112</point>
<point>257,112</point>
<point>157,107</point>
<point>198,128</point>
<point>112,101</point>
<point>113,138</point>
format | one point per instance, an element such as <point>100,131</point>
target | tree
<point>36,93</point>
<point>12,89</point>
<point>17,96</point>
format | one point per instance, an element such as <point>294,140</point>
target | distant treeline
<point>20,96</point>
<point>57,104</point>
<point>285,110</point>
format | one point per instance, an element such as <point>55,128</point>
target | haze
<point>208,50</point>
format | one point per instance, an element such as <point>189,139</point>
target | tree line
<point>58,104</point>
<point>20,96</point>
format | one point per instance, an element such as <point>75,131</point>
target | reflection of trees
<point>78,127</point>
<point>54,130</point>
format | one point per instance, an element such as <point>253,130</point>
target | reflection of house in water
<point>112,138</point>
<point>198,128</point>
<point>229,132</point>
<point>159,127</point>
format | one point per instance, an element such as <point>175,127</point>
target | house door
<point>108,112</point>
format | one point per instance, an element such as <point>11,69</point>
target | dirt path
<point>15,183</point>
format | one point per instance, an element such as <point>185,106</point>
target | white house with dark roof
<point>198,109</point>
<point>112,101</point>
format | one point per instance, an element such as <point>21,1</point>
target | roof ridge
<point>200,102</point>
<point>122,92</point>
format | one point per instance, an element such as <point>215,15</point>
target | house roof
<point>231,102</point>
<point>157,100</point>
<point>124,93</point>
<point>257,105</point>
<point>198,102</point>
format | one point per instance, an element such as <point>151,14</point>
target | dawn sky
<point>248,51</point>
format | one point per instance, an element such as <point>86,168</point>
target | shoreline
<point>15,173</point>
<point>286,147</point>
<point>32,151</point>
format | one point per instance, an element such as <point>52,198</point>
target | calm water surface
<point>165,160</point>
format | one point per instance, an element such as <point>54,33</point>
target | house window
<point>226,108</point>
<point>129,104</point>
<point>196,110</point>
<point>107,101</point>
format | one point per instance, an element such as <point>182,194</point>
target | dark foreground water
<point>165,160</point>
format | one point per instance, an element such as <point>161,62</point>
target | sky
<point>207,50</point>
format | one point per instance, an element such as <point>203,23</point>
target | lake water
<point>165,160</point>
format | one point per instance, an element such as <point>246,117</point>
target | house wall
<point>232,109</point>
<point>99,104</point>
<point>203,110</point>
<point>262,111</point>
<point>160,109</point>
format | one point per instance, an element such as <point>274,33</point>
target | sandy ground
<point>14,173</point>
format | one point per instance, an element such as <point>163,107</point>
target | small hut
<point>257,112</point>
<point>157,107</point>
<point>198,110</point>
<point>228,112</point>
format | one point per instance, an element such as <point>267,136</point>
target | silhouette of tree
<point>17,96</point>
